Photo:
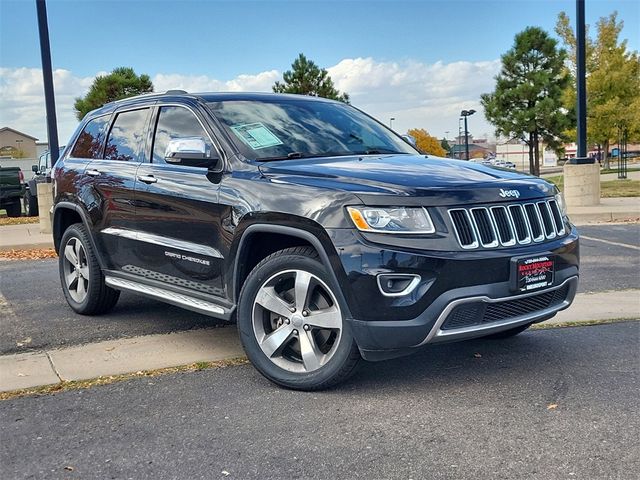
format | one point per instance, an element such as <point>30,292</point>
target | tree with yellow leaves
<point>427,144</point>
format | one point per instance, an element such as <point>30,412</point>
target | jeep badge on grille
<point>509,193</point>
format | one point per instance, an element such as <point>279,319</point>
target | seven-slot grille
<point>507,225</point>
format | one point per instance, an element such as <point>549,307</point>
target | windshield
<point>301,128</point>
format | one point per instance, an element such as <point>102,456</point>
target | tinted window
<point>299,128</point>
<point>175,122</point>
<point>89,143</point>
<point>126,136</point>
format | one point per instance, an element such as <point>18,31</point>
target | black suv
<point>325,235</point>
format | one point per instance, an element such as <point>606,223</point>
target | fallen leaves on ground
<point>18,220</point>
<point>31,254</point>
<point>552,406</point>
<point>24,342</point>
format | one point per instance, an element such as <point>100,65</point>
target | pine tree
<point>527,100</point>
<point>306,78</point>
<point>120,83</point>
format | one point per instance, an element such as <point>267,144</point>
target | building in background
<point>478,148</point>
<point>15,144</point>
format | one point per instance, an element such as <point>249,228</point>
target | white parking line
<point>625,245</point>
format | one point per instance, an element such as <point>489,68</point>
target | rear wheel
<point>14,209</point>
<point>512,332</point>
<point>292,325</point>
<point>80,275</point>
<point>31,204</point>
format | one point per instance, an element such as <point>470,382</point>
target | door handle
<point>93,173</point>
<point>147,178</point>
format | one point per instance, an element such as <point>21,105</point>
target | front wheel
<point>80,275</point>
<point>292,325</point>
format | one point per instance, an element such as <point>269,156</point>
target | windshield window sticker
<point>256,135</point>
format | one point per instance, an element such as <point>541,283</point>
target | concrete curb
<point>114,357</point>
<point>151,352</point>
<point>25,246</point>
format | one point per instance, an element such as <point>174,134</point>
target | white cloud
<point>417,95</point>
<point>22,100</point>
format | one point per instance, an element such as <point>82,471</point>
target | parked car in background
<point>11,190</point>
<point>503,164</point>
<point>41,172</point>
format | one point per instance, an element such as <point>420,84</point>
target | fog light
<point>397,284</point>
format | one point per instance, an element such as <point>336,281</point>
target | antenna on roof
<point>174,92</point>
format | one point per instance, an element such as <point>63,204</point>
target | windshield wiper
<point>378,151</point>
<point>295,155</point>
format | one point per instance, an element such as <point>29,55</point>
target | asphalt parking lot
<point>38,316</point>
<point>547,404</point>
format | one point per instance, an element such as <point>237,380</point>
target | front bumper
<point>461,295</point>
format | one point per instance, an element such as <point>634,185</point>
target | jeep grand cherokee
<point>325,236</point>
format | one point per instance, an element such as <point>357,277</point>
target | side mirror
<point>34,168</point>
<point>189,151</point>
<point>410,140</point>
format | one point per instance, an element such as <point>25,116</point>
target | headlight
<point>391,219</point>
<point>561,205</point>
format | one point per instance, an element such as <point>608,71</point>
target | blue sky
<point>217,44</point>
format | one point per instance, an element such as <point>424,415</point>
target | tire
<point>312,349</point>
<point>31,205</point>
<point>512,332</point>
<point>14,209</point>
<point>80,274</point>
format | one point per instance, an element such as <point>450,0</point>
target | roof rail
<point>174,92</point>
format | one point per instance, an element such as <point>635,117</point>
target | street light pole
<point>465,114</point>
<point>446,135</point>
<point>47,74</point>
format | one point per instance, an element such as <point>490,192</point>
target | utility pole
<point>47,74</point>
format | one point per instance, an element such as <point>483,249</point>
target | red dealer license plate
<point>533,273</point>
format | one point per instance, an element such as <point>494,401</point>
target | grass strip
<point>109,379</point>
<point>608,189</point>
<point>578,323</point>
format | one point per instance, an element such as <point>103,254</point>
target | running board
<point>178,299</point>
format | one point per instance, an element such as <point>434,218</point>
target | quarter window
<point>126,136</point>
<point>175,122</point>
<point>89,143</point>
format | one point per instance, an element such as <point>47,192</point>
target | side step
<point>178,299</point>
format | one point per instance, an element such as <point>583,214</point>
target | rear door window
<point>91,139</point>
<point>126,137</point>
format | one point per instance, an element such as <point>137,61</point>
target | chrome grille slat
<point>507,225</point>
<point>484,227</point>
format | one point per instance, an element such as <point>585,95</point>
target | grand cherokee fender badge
<point>509,193</point>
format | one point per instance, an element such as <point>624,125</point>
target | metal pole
<point>459,142</point>
<point>47,75</point>
<point>581,87</point>
<point>466,138</point>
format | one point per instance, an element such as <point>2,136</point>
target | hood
<point>445,181</point>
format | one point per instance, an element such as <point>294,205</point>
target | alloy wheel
<point>76,270</point>
<point>297,321</point>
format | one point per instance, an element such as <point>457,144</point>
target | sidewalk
<point>114,357</point>
<point>609,210</point>
<point>23,237</point>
